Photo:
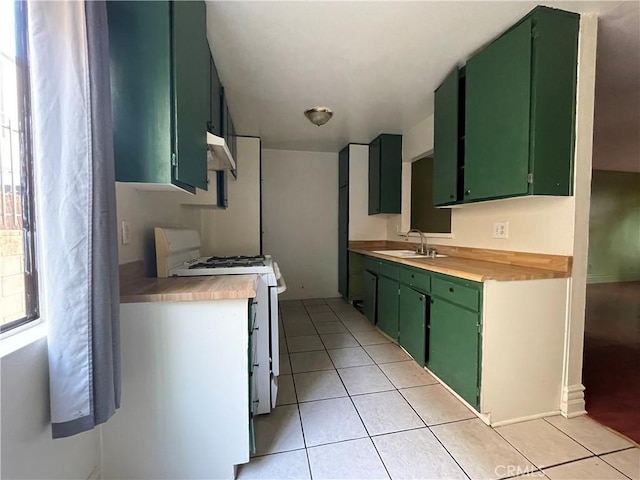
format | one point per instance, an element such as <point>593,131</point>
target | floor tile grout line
<point>304,440</point>
<point>613,466</point>
<point>537,469</point>
<point>360,417</point>
<point>569,436</point>
<point>397,390</point>
<point>568,462</point>
<point>375,447</point>
<point>576,440</point>
<point>531,461</point>
<point>426,426</point>
<point>618,450</point>
<point>419,417</point>
<point>448,452</point>
<point>339,441</point>
<point>364,425</point>
<point>368,435</point>
<point>273,453</point>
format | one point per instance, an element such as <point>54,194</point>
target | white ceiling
<point>375,63</point>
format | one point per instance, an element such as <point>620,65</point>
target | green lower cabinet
<point>413,313</point>
<point>388,306</point>
<point>370,296</point>
<point>252,436</point>
<point>454,347</point>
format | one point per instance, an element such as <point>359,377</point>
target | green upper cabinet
<point>215,91</point>
<point>520,109</point>
<point>159,89</point>
<point>190,91</point>
<point>228,129</point>
<point>447,138</point>
<point>343,167</point>
<point>385,174</point>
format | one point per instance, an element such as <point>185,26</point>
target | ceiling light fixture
<point>318,115</point>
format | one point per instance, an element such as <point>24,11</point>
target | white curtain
<point>75,198</point>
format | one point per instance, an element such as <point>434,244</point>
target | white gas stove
<point>178,255</point>
<point>223,266</point>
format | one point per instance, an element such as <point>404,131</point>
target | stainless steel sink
<point>405,254</point>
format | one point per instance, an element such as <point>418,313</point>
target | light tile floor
<point>352,405</point>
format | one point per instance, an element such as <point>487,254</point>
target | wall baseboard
<point>625,277</point>
<point>572,403</point>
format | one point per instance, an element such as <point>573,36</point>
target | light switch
<point>126,233</point>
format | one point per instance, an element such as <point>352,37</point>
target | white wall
<point>145,209</point>
<point>536,224</point>
<point>236,230</point>
<point>300,220</point>
<point>28,451</point>
<point>362,226</point>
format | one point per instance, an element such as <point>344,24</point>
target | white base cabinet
<point>523,342</point>
<point>184,411</point>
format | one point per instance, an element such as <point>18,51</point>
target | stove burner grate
<point>230,262</point>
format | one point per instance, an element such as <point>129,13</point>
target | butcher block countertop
<point>474,264</point>
<point>136,288</point>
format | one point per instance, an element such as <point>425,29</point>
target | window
<point>18,276</point>
<point>424,216</point>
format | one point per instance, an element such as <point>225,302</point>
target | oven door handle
<point>281,285</point>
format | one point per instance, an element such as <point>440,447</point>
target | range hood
<point>218,154</point>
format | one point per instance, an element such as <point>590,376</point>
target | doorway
<point>611,374</point>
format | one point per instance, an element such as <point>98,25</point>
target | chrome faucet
<point>421,251</point>
<point>431,252</point>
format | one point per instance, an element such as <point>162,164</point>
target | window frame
<point>32,304</point>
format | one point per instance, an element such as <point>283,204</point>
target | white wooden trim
<point>572,403</point>
<point>616,278</point>
<point>525,418</point>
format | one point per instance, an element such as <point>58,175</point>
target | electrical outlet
<point>501,230</point>
<point>126,233</point>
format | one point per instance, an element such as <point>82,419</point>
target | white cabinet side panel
<point>523,341</point>
<point>184,411</point>
<point>362,226</point>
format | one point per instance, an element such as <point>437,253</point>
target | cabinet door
<point>413,322</point>
<point>388,306</point>
<point>454,348</point>
<point>374,177</point>
<point>215,110</point>
<point>343,167</point>
<point>445,138</point>
<point>233,144</point>
<point>390,173</point>
<point>222,189</point>
<point>370,296</point>
<point>140,67</point>
<point>190,65</point>
<point>497,124</point>
<point>343,241</point>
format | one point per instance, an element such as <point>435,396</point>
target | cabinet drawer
<point>389,270</point>
<point>416,278</point>
<point>456,293</point>
<point>371,264</point>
